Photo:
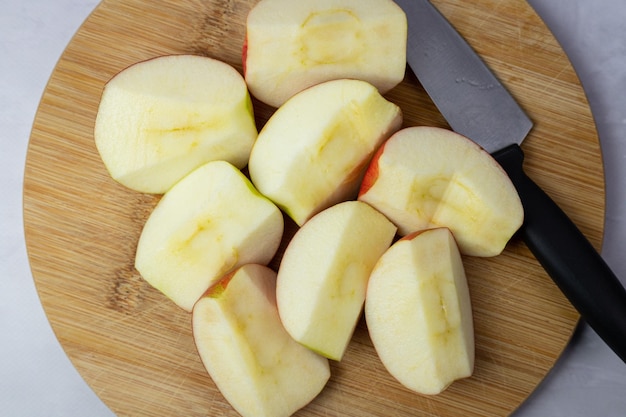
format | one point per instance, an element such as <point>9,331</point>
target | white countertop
<point>38,379</point>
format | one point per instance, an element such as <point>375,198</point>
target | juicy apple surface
<point>292,45</point>
<point>419,314</point>
<point>160,119</point>
<point>256,365</point>
<point>209,223</point>
<point>426,177</point>
<point>324,271</point>
<point>313,151</point>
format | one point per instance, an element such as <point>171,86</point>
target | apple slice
<point>426,177</point>
<point>324,271</point>
<point>257,366</point>
<point>208,224</point>
<point>292,45</point>
<point>418,312</point>
<point>161,118</point>
<point>313,151</point>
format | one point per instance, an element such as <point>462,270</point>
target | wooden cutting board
<point>135,348</point>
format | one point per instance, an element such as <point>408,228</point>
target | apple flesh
<point>256,365</point>
<point>425,177</point>
<point>292,45</point>
<point>208,224</point>
<point>313,151</point>
<point>323,275</point>
<point>160,119</point>
<point>418,312</point>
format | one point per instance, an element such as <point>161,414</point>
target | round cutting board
<point>134,347</point>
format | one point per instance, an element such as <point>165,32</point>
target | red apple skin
<point>371,173</point>
<point>415,234</point>
<point>216,290</point>
<point>244,54</point>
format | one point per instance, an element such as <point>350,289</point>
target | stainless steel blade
<point>463,88</point>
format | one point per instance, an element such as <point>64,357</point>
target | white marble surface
<point>37,379</point>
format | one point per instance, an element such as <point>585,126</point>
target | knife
<point>477,105</point>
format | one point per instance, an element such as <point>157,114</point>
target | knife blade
<point>478,106</point>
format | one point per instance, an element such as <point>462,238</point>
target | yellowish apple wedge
<point>256,365</point>
<point>160,119</point>
<point>323,275</point>
<point>313,151</point>
<point>425,177</point>
<point>208,224</point>
<point>292,45</point>
<point>418,312</point>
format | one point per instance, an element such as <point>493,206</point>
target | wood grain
<point>135,348</point>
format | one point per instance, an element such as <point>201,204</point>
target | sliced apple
<point>324,271</point>
<point>292,45</point>
<point>256,365</point>
<point>208,224</point>
<point>425,177</point>
<point>313,151</point>
<point>418,312</point>
<point>161,118</point>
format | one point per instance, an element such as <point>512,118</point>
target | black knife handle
<point>568,257</point>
